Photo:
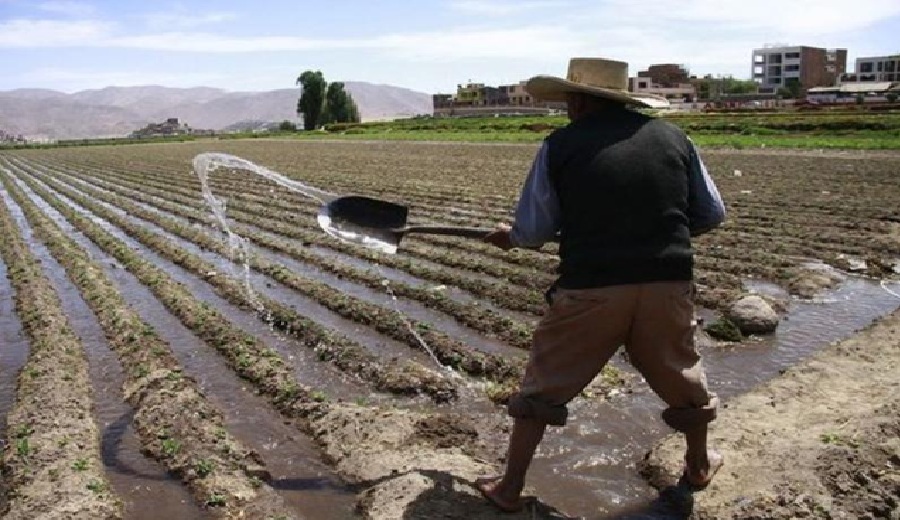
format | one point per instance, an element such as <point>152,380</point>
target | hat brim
<point>551,88</point>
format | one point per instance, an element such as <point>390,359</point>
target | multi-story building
<point>875,69</point>
<point>798,66</point>
<point>669,80</point>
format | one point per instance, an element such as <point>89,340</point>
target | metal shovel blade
<point>378,224</point>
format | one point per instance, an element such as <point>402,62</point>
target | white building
<point>876,68</point>
<point>775,67</point>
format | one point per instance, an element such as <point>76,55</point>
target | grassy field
<point>737,130</point>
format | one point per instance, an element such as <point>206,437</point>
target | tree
<point>321,103</point>
<point>891,97</point>
<point>312,98</point>
<point>339,105</point>
<point>287,126</point>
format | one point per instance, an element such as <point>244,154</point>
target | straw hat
<point>595,76</point>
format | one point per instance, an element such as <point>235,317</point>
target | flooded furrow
<point>507,297</point>
<point>304,363</point>
<point>472,266</point>
<point>387,348</point>
<point>13,354</point>
<point>139,481</point>
<point>382,298</point>
<point>307,485</point>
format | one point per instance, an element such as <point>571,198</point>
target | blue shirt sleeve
<point>705,207</point>
<point>537,214</point>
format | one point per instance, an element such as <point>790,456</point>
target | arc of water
<point>206,163</point>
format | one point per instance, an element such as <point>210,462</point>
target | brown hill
<point>116,111</point>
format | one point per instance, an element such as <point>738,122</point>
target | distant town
<point>780,75</point>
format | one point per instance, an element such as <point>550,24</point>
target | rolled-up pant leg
<point>661,346</point>
<point>582,329</point>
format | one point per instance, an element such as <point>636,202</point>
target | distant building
<point>877,68</point>
<point>8,138</point>
<point>668,80</point>
<point>480,99</point>
<point>170,127</point>
<point>854,92</point>
<point>777,67</point>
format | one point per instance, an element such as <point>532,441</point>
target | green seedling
<point>170,447</point>
<point>80,465</point>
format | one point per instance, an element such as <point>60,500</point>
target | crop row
<point>250,359</point>
<point>176,424</point>
<point>505,295</point>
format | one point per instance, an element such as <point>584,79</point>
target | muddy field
<point>140,379</point>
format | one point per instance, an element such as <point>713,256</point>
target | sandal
<point>716,460</point>
<point>488,489</point>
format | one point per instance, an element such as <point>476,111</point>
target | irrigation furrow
<point>178,426</point>
<point>269,371</point>
<point>509,297</point>
<point>306,230</point>
<point>467,316</point>
<point>137,480</point>
<point>448,350</point>
<point>51,437</point>
<point>302,360</point>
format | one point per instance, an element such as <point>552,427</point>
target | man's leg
<point>580,332</point>
<point>506,491</point>
<point>662,348</point>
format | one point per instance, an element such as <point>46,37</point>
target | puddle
<point>307,484</point>
<point>148,491</point>
<point>588,467</point>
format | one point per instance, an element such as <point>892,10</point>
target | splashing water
<point>206,163</point>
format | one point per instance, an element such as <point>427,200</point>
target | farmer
<point>625,192</point>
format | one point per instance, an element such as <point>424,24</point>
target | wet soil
<point>420,463</point>
<point>819,441</point>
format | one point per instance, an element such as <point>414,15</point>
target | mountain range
<point>117,111</point>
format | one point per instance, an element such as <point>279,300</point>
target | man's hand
<point>501,237</point>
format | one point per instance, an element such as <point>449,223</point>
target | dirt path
<point>821,441</point>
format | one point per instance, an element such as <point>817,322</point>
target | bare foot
<point>699,478</point>
<point>490,488</point>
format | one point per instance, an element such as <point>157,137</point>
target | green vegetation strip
<point>248,356</point>
<point>51,462</point>
<point>448,351</point>
<point>176,423</point>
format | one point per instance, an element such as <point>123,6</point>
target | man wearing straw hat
<point>625,193</point>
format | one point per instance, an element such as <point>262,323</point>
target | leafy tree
<point>339,105</point>
<point>312,98</point>
<point>287,126</point>
<point>321,103</point>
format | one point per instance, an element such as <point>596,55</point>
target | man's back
<point>622,184</point>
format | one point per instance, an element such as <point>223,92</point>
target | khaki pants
<point>582,330</point>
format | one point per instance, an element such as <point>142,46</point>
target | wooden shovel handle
<point>468,232</point>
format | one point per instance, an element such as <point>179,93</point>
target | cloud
<point>533,42</point>
<point>68,8</point>
<point>501,8</point>
<point>183,19</point>
<point>793,19</point>
<point>52,33</point>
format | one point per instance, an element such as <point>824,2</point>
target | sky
<point>424,45</point>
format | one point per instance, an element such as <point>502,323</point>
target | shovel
<point>379,224</point>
